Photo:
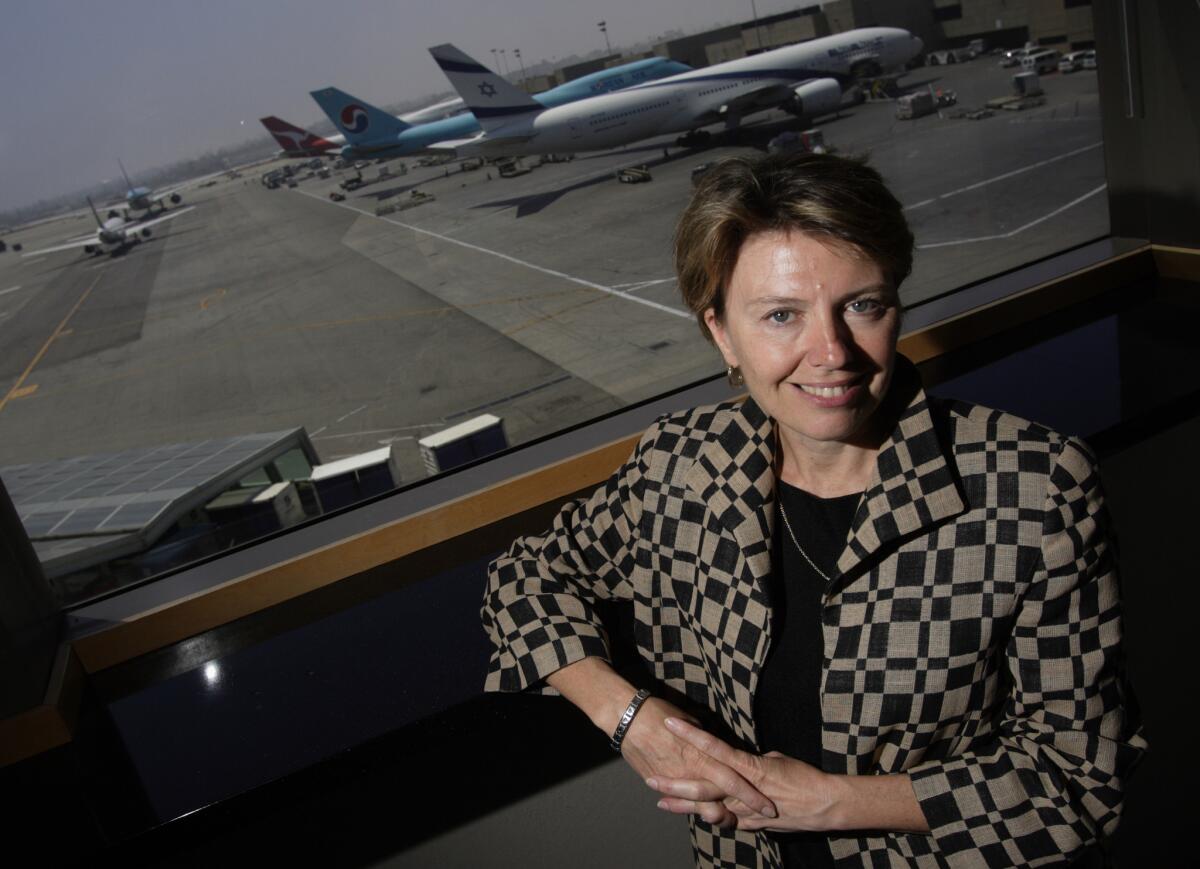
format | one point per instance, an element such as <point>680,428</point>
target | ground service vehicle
<point>1041,61</point>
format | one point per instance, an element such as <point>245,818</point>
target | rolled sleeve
<point>539,606</point>
<point>1051,781</point>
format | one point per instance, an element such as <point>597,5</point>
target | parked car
<point>1089,59</point>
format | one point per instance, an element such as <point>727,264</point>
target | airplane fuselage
<point>417,139</point>
<point>693,99</point>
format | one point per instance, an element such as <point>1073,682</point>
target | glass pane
<point>259,323</point>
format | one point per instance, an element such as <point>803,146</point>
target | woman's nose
<point>832,344</point>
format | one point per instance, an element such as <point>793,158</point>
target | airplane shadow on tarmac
<point>754,136</point>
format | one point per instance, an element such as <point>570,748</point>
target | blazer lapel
<point>734,478</point>
<point>913,487</point>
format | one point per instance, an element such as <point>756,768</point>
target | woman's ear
<point>717,329</point>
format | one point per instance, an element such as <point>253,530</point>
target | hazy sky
<point>83,83</point>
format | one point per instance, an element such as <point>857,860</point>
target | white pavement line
<point>512,259</point>
<point>350,414</point>
<point>356,434</point>
<point>1019,229</point>
<point>1006,175</point>
<point>633,288</point>
<point>10,290</point>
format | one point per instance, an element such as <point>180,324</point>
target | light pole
<point>495,60</point>
<point>757,27</point>
<point>504,60</point>
<point>603,25</point>
<point>517,52</point>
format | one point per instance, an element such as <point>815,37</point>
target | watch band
<point>627,718</point>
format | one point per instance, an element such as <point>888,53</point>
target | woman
<point>901,613</point>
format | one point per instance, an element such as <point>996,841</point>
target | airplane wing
<point>82,242</point>
<point>135,228</point>
<point>764,97</point>
<point>160,195</point>
<point>481,145</point>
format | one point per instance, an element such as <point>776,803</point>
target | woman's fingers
<point>711,745</point>
<point>725,766</point>
<point>711,811</point>
<point>688,789</point>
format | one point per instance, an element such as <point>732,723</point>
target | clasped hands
<point>697,773</point>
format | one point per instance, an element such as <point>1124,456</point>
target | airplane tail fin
<point>359,121</point>
<point>296,140</point>
<point>125,175</point>
<point>492,100</point>
<point>95,213</point>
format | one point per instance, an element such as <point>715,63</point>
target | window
<point>271,341</point>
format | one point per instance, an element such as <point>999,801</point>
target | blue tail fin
<point>358,120</point>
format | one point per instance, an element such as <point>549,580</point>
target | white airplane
<point>805,79</point>
<point>446,108</point>
<point>142,198</point>
<point>113,234</point>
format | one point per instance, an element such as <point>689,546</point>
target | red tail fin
<point>296,140</point>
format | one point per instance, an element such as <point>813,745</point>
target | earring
<point>734,376</point>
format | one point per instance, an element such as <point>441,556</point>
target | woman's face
<point>813,331</point>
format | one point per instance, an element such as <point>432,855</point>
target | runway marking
<point>350,414</point>
<point>480,249</point>
<point>355,434</point>
<point>10,290</point>
<point>16,388</point>
<point>641,285</point>
<point>344,416</point>
<point>1019,229</point>
<point>1005,176</point>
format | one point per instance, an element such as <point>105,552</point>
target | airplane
<point>299,142</point>
<point>142,198</point>
<point>806,79</point>
<point>447,108</point>
<point>114,234</point>
<point>372,132</point>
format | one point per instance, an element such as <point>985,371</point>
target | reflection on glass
<point>386,315</point>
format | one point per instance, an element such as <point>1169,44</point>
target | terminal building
<point>314,694</point>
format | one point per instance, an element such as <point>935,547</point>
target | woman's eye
<point>864,306</point>
<point>779,316</point>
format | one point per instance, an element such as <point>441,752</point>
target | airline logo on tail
<point>295,139</point>
<point>492,99</point>
<point>354,119</point>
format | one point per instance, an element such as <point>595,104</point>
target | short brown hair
<point>838,199</point>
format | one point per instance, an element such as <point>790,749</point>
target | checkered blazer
<point>972,633</point>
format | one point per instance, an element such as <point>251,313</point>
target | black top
<point>787,699</point>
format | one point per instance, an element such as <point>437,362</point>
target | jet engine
<point>90,248</point>
<point>176,198</point>
<point>815,98</point>
<point>146,232</point>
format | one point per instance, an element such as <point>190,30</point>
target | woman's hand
<point>800,793</point>
<point>660,755</point>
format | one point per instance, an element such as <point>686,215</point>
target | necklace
<point>792,534</point>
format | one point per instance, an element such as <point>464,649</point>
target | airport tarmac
<point>545,298</point>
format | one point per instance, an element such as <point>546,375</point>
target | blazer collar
<point>911,489</point>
